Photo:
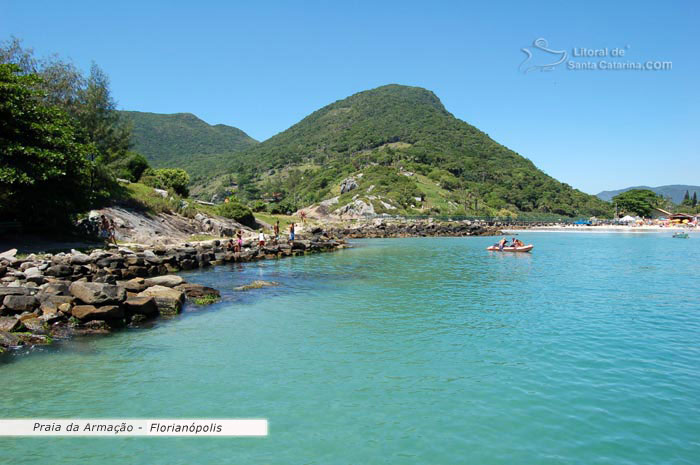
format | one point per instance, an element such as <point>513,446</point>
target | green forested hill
<point>402,141</point>
<point>182,140</point>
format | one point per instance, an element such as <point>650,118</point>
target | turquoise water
<point>401,351</point>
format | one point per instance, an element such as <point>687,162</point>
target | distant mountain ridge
<point>675,191</point>
<point>181,140</point>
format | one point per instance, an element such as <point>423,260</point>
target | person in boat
<point>502,243</point>
<point>517,242</point>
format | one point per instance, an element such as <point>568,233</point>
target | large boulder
<point>169,301</point>
<point>20,303</point>
<point>97,293</point>
<point>35,325</point>
<point>13,290</point>
<point>9,323</point>
<point>140,306</point>
<point>194,291</point>
<point>78,258</point>
<point>169,280</point>
<point>133,285</point>
<point>90,312</point>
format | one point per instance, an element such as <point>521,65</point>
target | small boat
<point>681,235</point>
<point>524,248</point>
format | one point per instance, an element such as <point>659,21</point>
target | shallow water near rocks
<point>427,350</point>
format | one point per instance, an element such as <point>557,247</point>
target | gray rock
<point>13,290</point>
<point>169,280</point>
<point>20,303</point>
<point>8,254</point>
<point>97,293</point>
<point>133,285</point>
<point>347,185</point>
<point>61,271</point>
<point>78,258</point>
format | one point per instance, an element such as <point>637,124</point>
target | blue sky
<point>262,66</point>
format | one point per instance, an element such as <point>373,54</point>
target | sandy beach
<point>606,229</point>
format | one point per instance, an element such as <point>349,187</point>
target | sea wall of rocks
<point>421,228</point>
<point>67,294</point>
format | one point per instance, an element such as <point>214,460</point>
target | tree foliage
<point>43,165</point>
<point>638,202</point>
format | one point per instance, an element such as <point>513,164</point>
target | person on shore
<point>276,230</point>
<point>239,241</point>
<point>291,232</point>
<point>112,231</point>
<point>229,246</point>
<point>104,228</point>
<point>261,239</point>
<point>303,216</point>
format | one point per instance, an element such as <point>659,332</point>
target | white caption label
<point>138,427</point>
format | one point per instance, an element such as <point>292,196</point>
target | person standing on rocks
<point>239,241</point>
<point>104,228</point>
<point>276,230</point>
<point>261,240</point>
<point>291,232</point>
<point>112,231</point>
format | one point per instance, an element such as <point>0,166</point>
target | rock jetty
<point>57,296</point>
<point>382,228</point>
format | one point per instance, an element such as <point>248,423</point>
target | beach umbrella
<point>628,219</point>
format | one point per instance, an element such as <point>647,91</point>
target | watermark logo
<point>540,57</point>
<point>542,54</point>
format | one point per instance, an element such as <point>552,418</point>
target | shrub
<point>235,210</point>
<point>174,179</point>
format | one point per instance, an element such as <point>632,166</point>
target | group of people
<point>238,244</point>
<point>515,242</point>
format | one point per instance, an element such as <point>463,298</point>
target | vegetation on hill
<point>62,141</point>
<point>182,140</point>
<point>402,141</point>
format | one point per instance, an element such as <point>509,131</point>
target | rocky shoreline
<point>59,296</point>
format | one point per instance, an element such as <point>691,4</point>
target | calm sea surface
<point>401,351</point>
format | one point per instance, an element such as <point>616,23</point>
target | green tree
<point>686,199</point>
<point>43,166</point>
<point>638,201</point>
<point>175,179</point>
<point>86,100</point>
<point>695,199</point>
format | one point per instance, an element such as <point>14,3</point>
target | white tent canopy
<point>628,219</point>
